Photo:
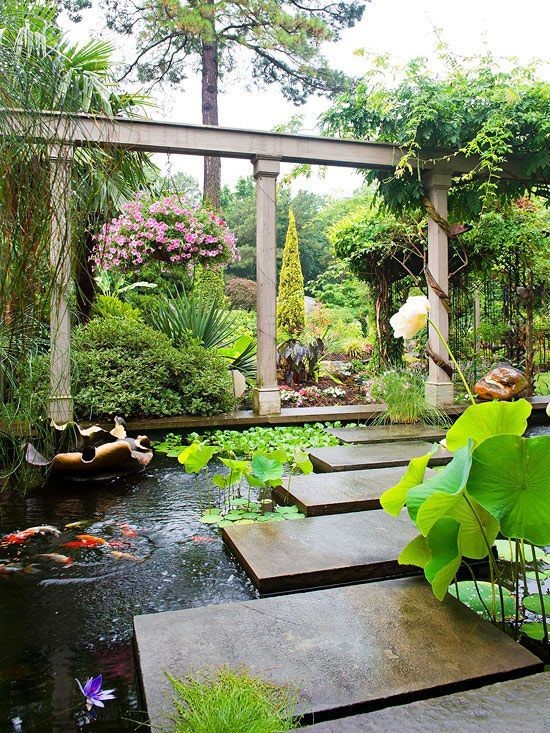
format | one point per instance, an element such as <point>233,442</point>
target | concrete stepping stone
<point>378,455</point>
<point>388,433</point>
<point>321,551</point>
<point>520,705</point>
<point>340,491</point>
<point>348,650</point>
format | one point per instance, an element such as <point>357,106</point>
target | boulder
<point>502,383</point>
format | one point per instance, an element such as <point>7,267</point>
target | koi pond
<point>63,620</point>
<point>67,599</point>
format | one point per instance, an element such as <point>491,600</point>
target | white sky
<point>402,29</point>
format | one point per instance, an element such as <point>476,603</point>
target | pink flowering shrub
<point>169,229</point>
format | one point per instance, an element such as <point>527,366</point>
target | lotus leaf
<point>481,595</point>
<point>479,422</point>
<point>393,499</point>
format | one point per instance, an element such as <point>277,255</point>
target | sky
<point>402,29</point>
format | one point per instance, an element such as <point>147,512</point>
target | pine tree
<point>291,314</point>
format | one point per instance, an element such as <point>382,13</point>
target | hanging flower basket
<point>168,229</point>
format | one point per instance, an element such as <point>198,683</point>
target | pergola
<point>266,151</point>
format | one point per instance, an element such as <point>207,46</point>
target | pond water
<point>61,622</point>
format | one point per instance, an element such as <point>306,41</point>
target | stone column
<point>266,397</point>
<point>439,387</point>
<point>61,401</point>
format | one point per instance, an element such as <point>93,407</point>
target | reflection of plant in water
<point>231,701</point>
<point>225,503</point>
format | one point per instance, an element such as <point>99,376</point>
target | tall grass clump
<point>231,701</point>
<point>403,393</point>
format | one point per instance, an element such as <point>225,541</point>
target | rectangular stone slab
<point>340,491</point>
<point>321,551</point>
<point>521,705</point>
<point>378,455</point>
<point>348,650</point>
<point>388,433</point>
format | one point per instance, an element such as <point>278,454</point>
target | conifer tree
<point>291,314</point>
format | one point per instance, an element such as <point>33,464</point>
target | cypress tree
<point>291,314</point>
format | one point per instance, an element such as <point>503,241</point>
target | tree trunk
<point>212,166</point>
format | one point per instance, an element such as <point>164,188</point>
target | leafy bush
<point>241,292</point>
<point>110,305</point>
<point>231,701</point>
<point>299,360</point>
<point>126,368</point>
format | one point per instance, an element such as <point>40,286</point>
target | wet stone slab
<point>341,491</point>
<point>388,433</point>
<point>378,455</point>
<point>517,706</point>
<point>321,551</point>
<point>348,650</point>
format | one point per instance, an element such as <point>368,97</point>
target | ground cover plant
<point>231,443</point>
<point>231,701</point>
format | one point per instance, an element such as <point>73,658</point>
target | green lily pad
<point>510,478</point>
<point>288,509</point>
<point>533,629</point>
<point>225,523</point>
<point>196,456</point>
<point>506,550</point>
<point>238,502</point>
<point>480,422</point>
<point>266,469</point>
<point>263,518</point>
<point>210,518</point>
<point>534,604</point>
<point>234,514</point>
<point>212,510</point>
<point>249,515</point>
<point>475,594</point>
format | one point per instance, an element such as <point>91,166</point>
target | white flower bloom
<point>411,317</point>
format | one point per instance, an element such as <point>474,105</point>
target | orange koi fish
<point>127,531</point>
<point>85,540</point>
<point>18,538</point>
<point>56,557</point>
<point>201,538</point>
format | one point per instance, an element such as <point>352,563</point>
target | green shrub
<point>241,292</point>
<point>126,368</point>
<point>291,314</point>
<point>110,305</point>
<point>231,701</point>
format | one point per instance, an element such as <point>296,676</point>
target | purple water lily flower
<point>93,693</point>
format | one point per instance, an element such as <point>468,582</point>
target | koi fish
<point>127,531</point>
<point>125,556</point>
<point>201,538</point>
<point>80,524</point>
<point>13,567</point>
<point>56,557</point>
<point>85,540</point>
<point>18,538</point>
<point>118,543</point>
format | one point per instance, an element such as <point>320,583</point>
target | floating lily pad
<point>475,598</point>
<point>533,629</point>
<point>225,523</point>
<point>238,502</point>
<point>506,550</point>
<point>534,603</point>
<point>210,518</point>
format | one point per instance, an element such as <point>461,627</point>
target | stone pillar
<point>266,397</point>
<point>439,387</point>
<point>61,401</point>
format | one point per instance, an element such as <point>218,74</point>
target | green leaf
<point>449,481</point>
<point>296,515</point>
<point>267,469</point>
<point>236,466</point>
<point>533,629</point>
<point>506,550</point>
<point>221,481</point>
<point>393,499</point>
<point>510,477</point>
<point>478,528</point>
<point>475,594</point>
<point>302,462</point>
<point>534,603</point>
<point>479,422</point>
<point>196,456</point>
<point>442,542</point>
<point>415,553</point>
<point>210,518</point>
<point>238,502</point>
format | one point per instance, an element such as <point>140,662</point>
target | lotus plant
<point>93,693</point>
